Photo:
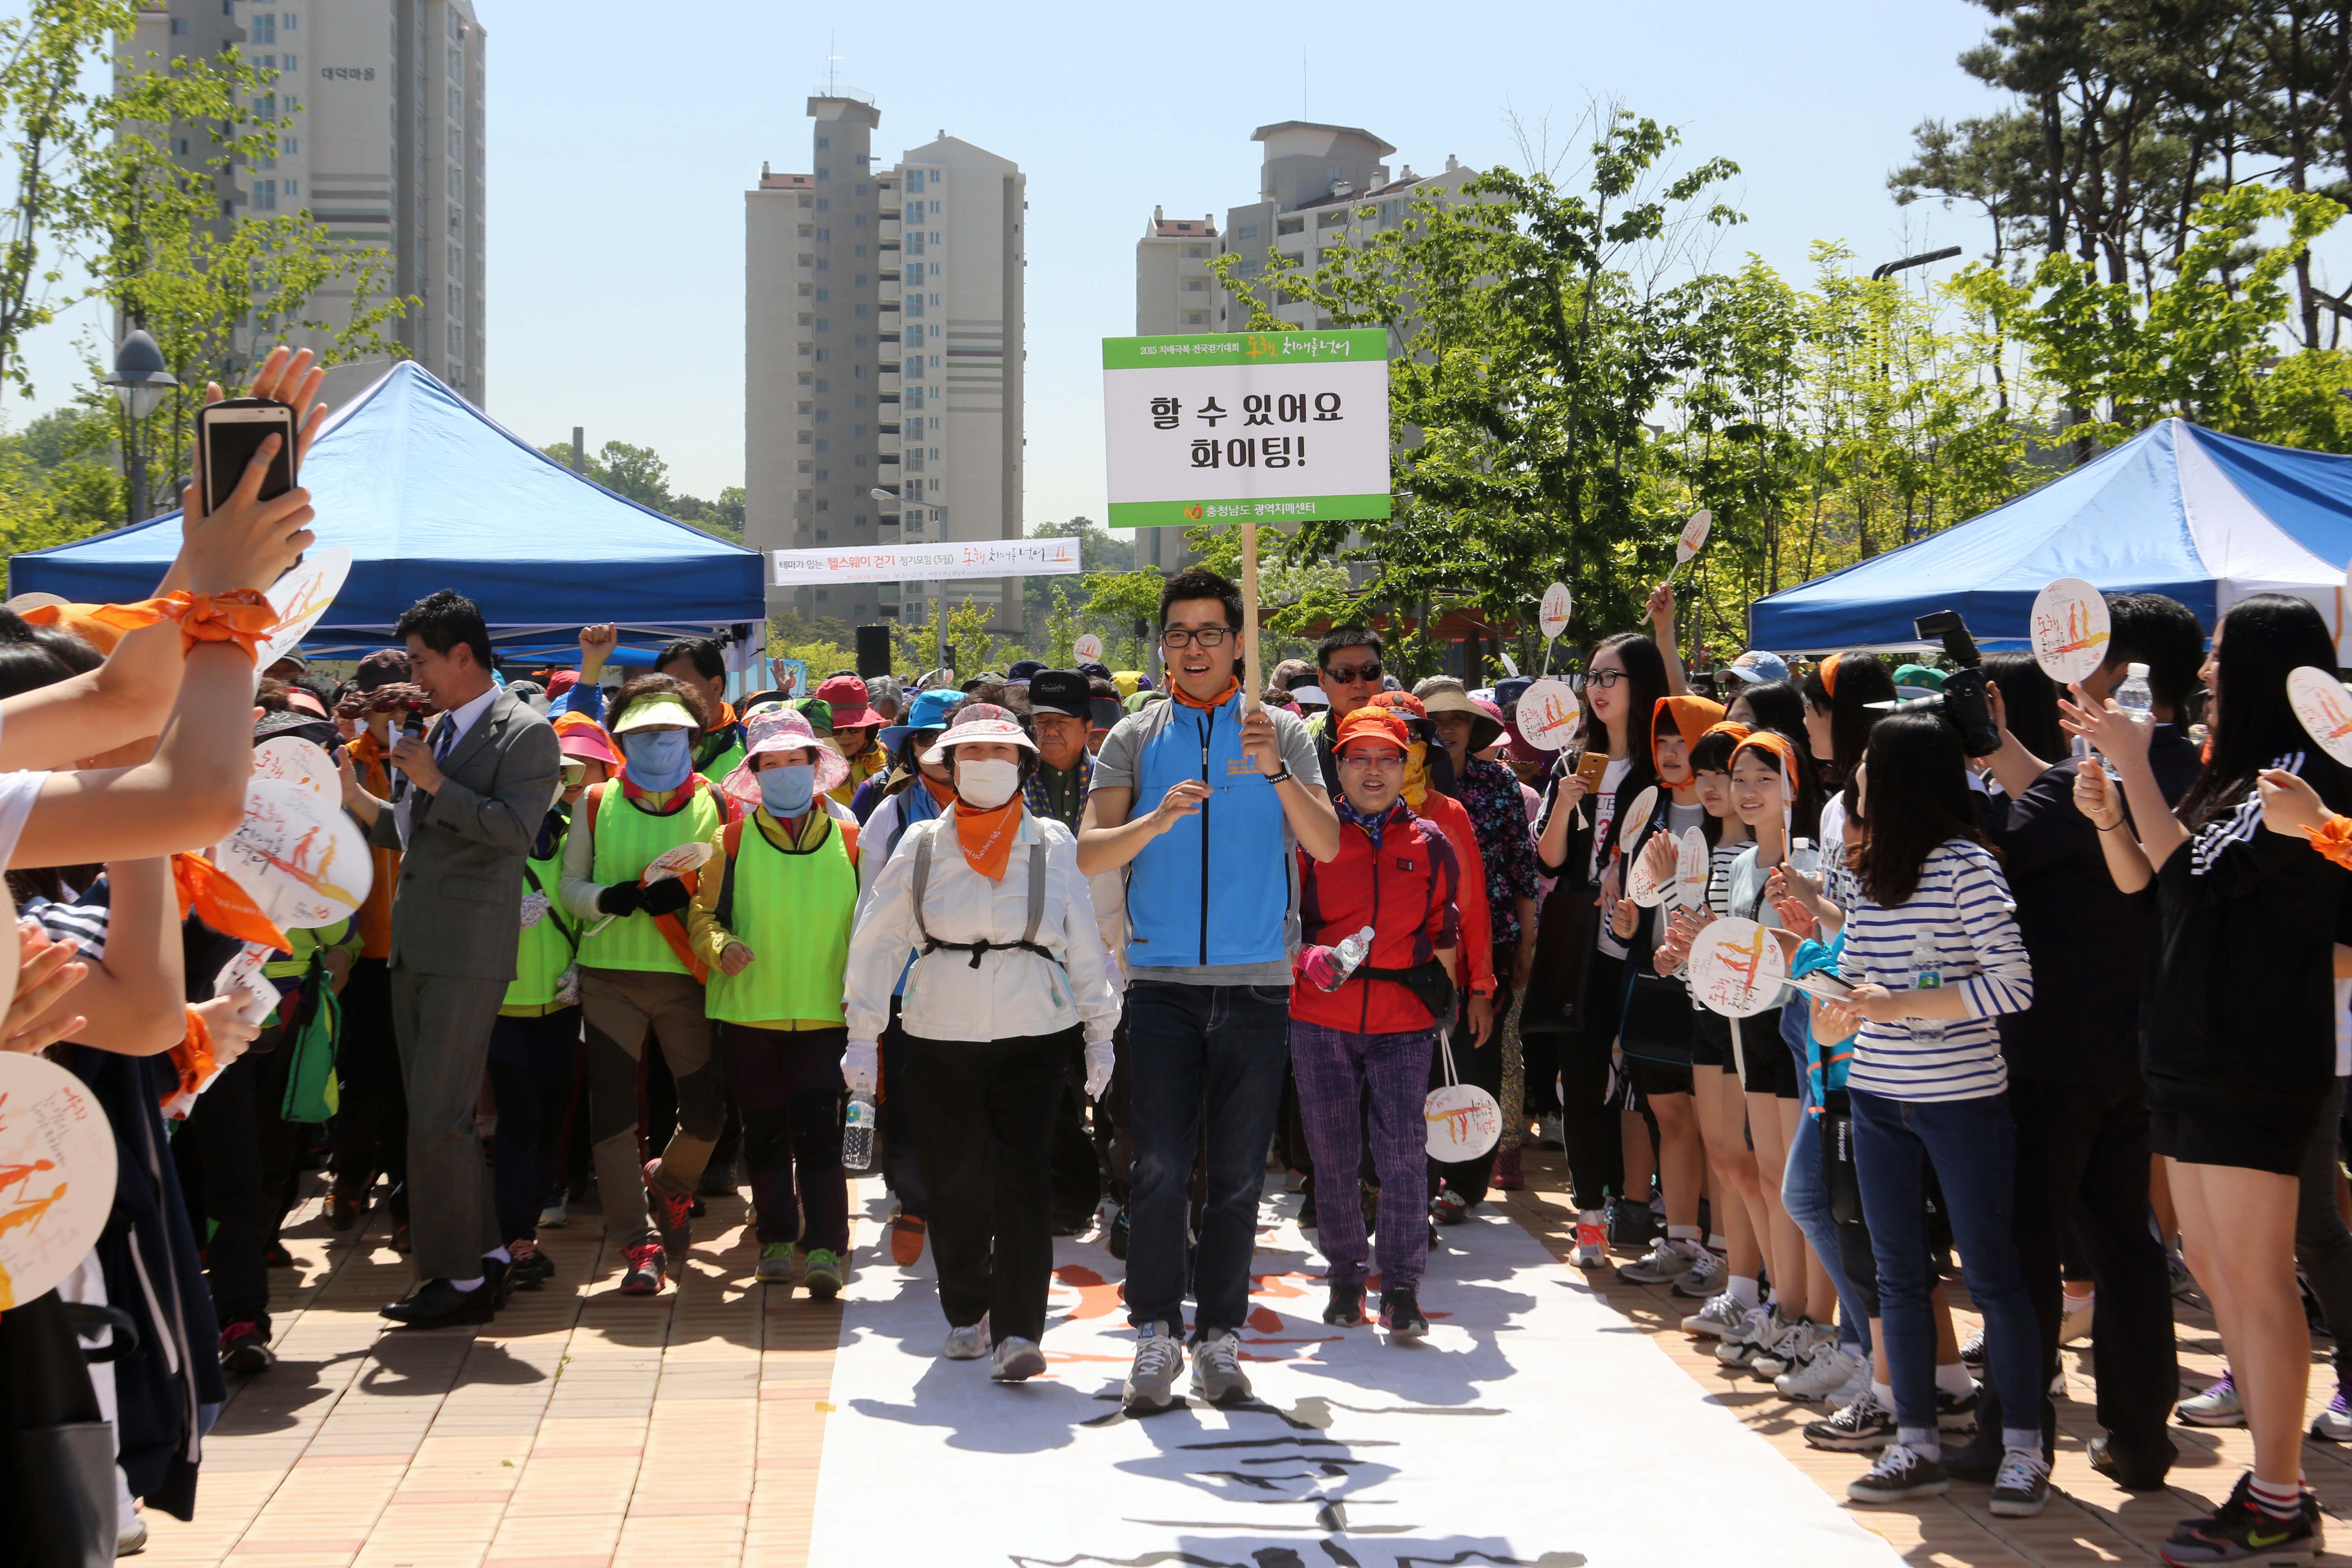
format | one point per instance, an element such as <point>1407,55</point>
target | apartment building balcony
<point>890,292</point>
<point>887,383</point>
<point>887,230</point>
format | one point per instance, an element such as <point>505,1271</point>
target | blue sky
<point>623,136</point>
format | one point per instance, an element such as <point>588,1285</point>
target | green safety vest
<point>793,909</point>
<point>627,840</point>
<point>719,765</point>
<point>548,948</point>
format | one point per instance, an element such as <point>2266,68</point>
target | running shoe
<point>821,1275</point>
<point>1509,1176</point>
<point>2021,1489</point>
<point>556,1213</point>
<point>1400,1316</point>
<point>648,1267</point>
<point>1832,1367</point>
<point>1548,1135</point>
<point>1217,1375</point>
<point>2334,1424</point>
<point>1861,1426</point>
<point>1722,1313</point>
<point>1346,1308</point>
<point>1972,1352</point>
<point>775,1266</point>
<point>531,1267</point>
<point>2076,1322</point>
<point>1449,1208</point>
<point>1791,1351</point>
<point>1708,1274</point>
<point>968,1342</point>
<point>673,1212</point>
<point>2217,1406</point>
<point>1759,1328</point>
<point>906,1241</point>
<point>1956,1412</point>
<point>1151,1381</point>
<point>1591,1240</point>
<point>244,1347</point>
<point>1017,1359</point>
<point>131,1537</point>
<point>1900,1474</point>
<point>1668,1260</point>
<point>2238,1531</point>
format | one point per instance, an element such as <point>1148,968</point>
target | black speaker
<point>873,651</point>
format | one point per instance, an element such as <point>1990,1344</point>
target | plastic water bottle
<point>1926,975</point>
<point>1805,858</point>
<point>857,1132</point>
<point>1351,953</point>
<point>2137,703</point>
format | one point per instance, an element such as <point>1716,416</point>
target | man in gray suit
<point>477,787</point>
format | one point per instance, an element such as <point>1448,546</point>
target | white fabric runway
<point>1534,1427</point>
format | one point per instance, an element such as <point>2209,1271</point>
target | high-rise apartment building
<point>1321,188</point>
<point>883,350</point>
<point>385,146</point>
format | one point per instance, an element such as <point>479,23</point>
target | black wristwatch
<point>1285,774</point>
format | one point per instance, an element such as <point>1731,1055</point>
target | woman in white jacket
<point>1010,969</point>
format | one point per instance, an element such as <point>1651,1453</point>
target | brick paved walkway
<point>585,1429</point>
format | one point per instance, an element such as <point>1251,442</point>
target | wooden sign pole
<point>1252,681</point>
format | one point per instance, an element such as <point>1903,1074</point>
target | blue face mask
<point>658,758</point>
<point>787,791</point>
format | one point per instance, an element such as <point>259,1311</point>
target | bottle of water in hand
<point>857,1132</point>
<point>2137,703</point>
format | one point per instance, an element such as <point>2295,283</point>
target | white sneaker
<point>1666,1261</point>
<point>1017,1359</point>
<point>1548,1136</point>
<point>1151,1382</point>
<point>969,1343</point>
<point>2076,1324</point>
<point>2219,1406</point>
<point>1708,1274</point>
<point>1788,1352</point>
<point>1721,1314</point>
<point>1760,1328</point>
<point>1829,1372</point>
<point>1217,1375</point>
<point>1591,1240</point>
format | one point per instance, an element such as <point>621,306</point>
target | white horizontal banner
<point>915,562</point>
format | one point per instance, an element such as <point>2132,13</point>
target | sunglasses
<point>1350,674</point>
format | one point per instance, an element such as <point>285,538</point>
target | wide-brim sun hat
<point>928,710</point>
<point>982,723</point>
<point>1484,727</point>
<point>781,727</point>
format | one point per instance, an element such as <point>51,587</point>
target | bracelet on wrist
<point>1285,774</point>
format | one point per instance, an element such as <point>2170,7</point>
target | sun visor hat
<point>657,713</point>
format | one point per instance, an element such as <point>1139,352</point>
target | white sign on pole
<point>2070,626</point>
<point>57,1175</point>
<point>1548,713</point>
<point>1553,615</point>
<point>1246,427</point>
<point>1694,534</point>
<point>917,563</point>
<point>2324,708</point>
<point>1088,647</point>
<point>1737,968</point>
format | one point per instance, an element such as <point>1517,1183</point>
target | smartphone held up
<point>230,435</point>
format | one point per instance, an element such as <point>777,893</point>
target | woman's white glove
<point>1098,1066</point>
<point>861,1063</point>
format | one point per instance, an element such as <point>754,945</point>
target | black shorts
<point>1772,1068</point>
<point>2274,1143</point>
<point>1651,1078</point>
<point>1710,1040</point>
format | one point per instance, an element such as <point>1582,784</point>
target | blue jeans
<point>1217,1050</point>
<point>1805,1194</point>
<point>1972,1145</point>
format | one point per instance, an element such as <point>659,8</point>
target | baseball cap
<point>1059,692</point>
<point>1756,665</point>
<point>384,666</point>
<point>845,696</point>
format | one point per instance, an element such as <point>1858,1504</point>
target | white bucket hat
<point>980,723</point>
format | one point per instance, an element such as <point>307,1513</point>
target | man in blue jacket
<point>1208,1005</point>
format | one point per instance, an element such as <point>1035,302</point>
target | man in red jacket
<point>1367,1021</point>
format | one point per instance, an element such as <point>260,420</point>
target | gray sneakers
<point>969,1343</point>
<point>1668,1260</point>
<point>1017,1359</point>
<point>1721,1314</point>
<point>1151,1381</point>
<point>1217,1374</point>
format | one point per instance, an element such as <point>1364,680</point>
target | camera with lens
<point>1962,703</point>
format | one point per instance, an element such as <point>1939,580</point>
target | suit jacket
<point>457,907</point>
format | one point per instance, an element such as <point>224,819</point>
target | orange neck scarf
<point>1219,700</point>
<point>987,836</point>
<point>241,615</point>
<point>942,795</point>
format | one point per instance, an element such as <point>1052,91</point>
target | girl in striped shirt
<point>1933,953</point>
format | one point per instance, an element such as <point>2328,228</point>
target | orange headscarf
<point>1829,673</point>
<point>1692,716</point>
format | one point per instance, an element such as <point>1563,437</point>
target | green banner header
<point>1267,509</point>
<point>1354,345</point>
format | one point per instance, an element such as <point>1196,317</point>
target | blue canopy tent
<point>428,492</point>
<point>2179,510</point>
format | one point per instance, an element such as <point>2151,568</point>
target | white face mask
<point>987,785</point>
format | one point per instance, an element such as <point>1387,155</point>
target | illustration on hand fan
<point>1737,968</point>
<point>57,1175</point>
<point>2324,709</point>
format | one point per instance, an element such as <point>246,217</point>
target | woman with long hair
<point>2237,1039</point>
<point>1774,705</point>
<point>1624,681</point>
<point>1839,692</point>
<point>1933,957</point>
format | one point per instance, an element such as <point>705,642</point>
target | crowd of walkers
<point>1104,953</point>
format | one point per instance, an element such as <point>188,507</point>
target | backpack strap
<point>982,949</point>
<point>922,883</point>
<point>1037,893</point>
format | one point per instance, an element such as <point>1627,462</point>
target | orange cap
<point>1372,722</point>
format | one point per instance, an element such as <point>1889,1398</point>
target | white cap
<point>2135,671</point>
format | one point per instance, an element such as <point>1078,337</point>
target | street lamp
<point>140,382</point>
<point>939,650</point>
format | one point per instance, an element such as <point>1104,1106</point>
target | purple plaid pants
<point>1332,1068</point>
